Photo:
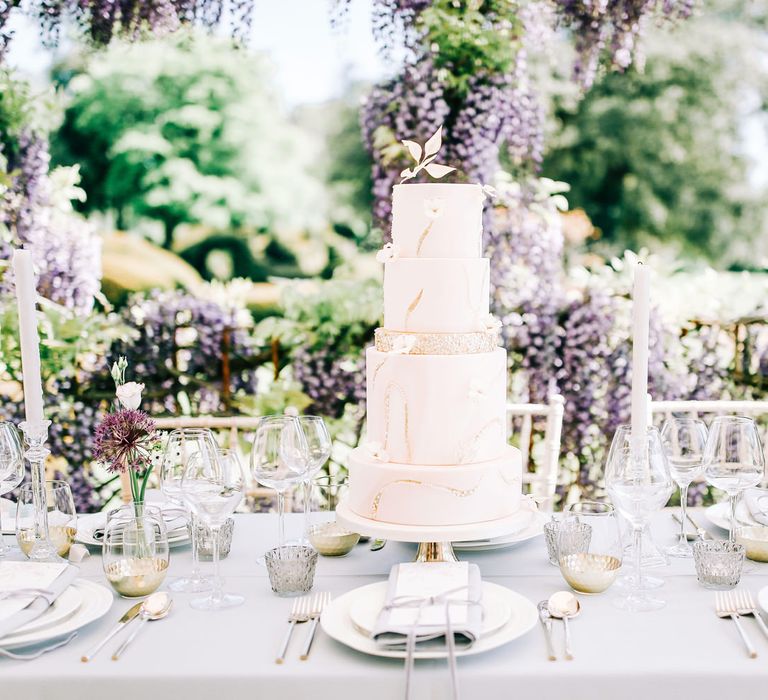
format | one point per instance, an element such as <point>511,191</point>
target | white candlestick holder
<point>35,437</point>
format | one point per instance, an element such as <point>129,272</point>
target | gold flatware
<point>546,622</point>
<point>745,605</point>
<point>564,606</point>
<point>299,613</point>
<point>156,607</point>
<point>726,607</point>
<point>376,545</point>
<point>701,533</point>
<point>319,601</point>
<point>127,617</point>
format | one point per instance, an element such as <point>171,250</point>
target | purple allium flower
<point>124,441</point>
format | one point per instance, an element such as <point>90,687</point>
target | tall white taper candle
<point>26,297</point>
<point>640,322</point>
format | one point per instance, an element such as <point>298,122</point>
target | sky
<point>313,62</point>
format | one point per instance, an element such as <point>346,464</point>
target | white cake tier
<point>438,220</point>
<point>436,296</point>
<point>437,409</point>
<point>437,495</point>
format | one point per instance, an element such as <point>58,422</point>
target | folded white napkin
<point>15,575</point>
<point>756,501</point>
<point>428,606</point>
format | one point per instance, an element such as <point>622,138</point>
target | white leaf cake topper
<point>425,159</point>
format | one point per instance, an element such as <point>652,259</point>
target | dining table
<point>683,650</point>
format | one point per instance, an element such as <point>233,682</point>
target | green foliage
<point>473,36</point>
<point>185,130</point>
<point>658,153</point>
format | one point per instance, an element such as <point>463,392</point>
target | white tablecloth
<point>682,651</point>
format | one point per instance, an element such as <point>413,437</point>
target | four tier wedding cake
<point>435,451</point>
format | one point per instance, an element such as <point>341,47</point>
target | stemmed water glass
<point>186,445</point>
<point>213,488</point>
<point>318,451</point>
<point>279,458</point>
<point>11,468</point>
<point>684,440</point>
<point>733,458</point>
<point>639,482</point>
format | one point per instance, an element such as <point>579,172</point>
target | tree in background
<point>185,130</point>
<point>658,153</point>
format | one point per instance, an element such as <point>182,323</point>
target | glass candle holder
<point>323,532</point>
<point>205,539</point>
<point>62,518</point>
<point>755,541</point>
<point>718,564</point>
<point>291,569</point>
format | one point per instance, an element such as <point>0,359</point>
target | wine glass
<point>185,445</point>
<point>639,482</point>
<point>318,450</point>
<point>733,458</point>
<point>684,440</point>
<point>279,458</point>
<point>11,469</point>
<point>589,546</point>
<point>62,517</point>
<point>213,488</point>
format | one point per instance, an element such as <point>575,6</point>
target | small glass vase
<point>135,551</point>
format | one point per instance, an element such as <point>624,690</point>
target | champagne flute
<point>213,488</point>
<point>733,458</point>
<point>279,458</point>
<point>11,469</point>
<point>319,450</point>
<point>186,445</point>
<point>684,440</point>
<point>638,480</point>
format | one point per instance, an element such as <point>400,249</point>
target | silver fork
<point>35,655</point>
<point>299,613</point>
<point>745,605</point>
<point>725,606</point>
<point>319,601</point>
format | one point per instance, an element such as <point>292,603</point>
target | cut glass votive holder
<point>580,539</point>
<point>718,563</point>
<point>205,539</point>
<point>291,569</point>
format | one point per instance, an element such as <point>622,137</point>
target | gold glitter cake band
<point>436,343</point>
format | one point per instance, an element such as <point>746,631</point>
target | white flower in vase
<point>403,344</point>
<point>391,251</point>
<point>434,207</point>
<point>377,451</point>
<point>129,395</point>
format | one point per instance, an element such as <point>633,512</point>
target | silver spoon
<point>564,605</point>
<point>156,607</point>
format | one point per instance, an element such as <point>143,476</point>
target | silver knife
<point>130,615</point>
<point>546,622</point>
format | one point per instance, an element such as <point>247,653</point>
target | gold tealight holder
<point>62,537</point>
<point>331,539</point>
<point>754,538</point>
<point>589,573</point>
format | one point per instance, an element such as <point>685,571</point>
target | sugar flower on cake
<point>403,344</point>
<point>377,451</point>
<point>489,191</point>
<point>425,157</point>
<point>434,207</point>
<point>391,251</point>
<point>476,391</point>
<point>488,322</point>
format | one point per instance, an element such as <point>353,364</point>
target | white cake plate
<point>434,540</point>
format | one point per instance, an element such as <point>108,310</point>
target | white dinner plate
<point>364,610</point>
<point>97,600</point>
<point>534,528</point>
<point>337,623</point>
<point>762,598</point>
<point>86,524</point>
<point>64,607</point>
<point>720,515</point>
